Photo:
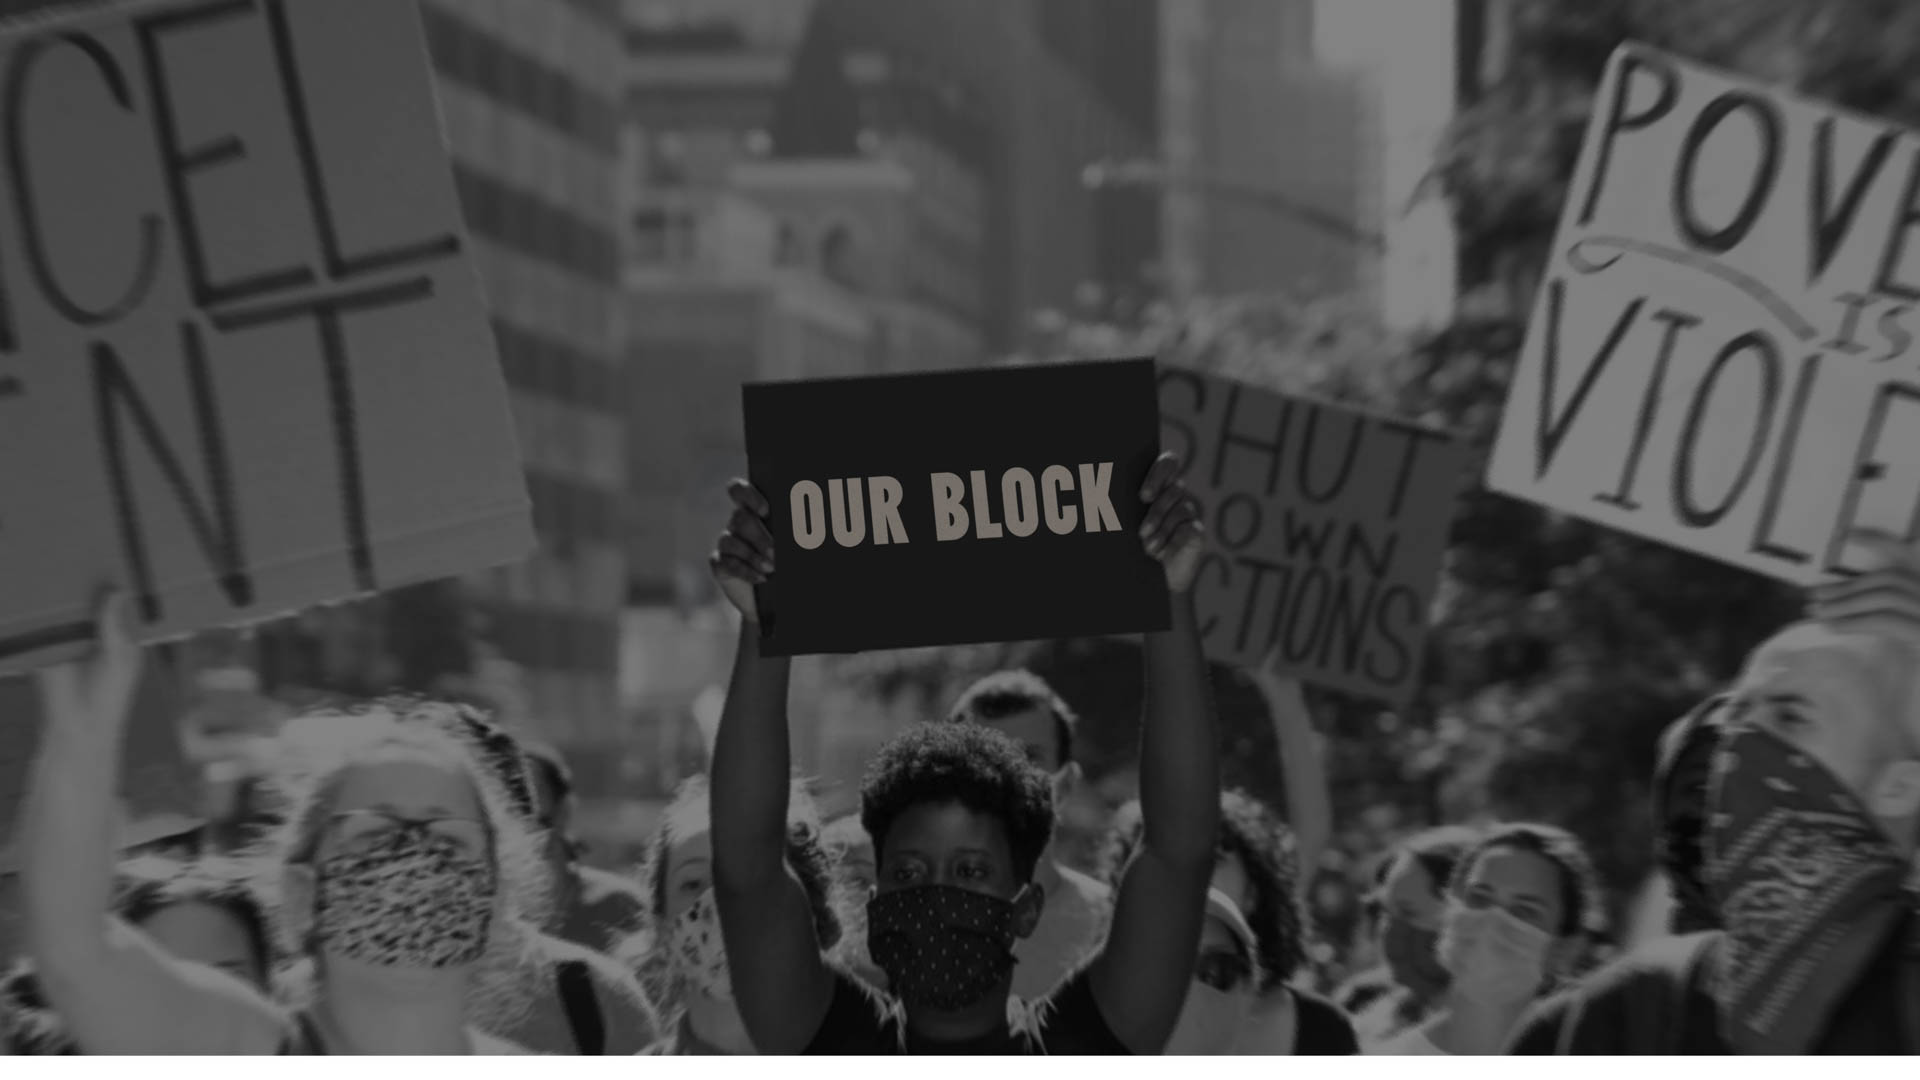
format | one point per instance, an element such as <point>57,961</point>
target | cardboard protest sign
<point>1328,527</point>
<point>244,364</point>
<point>1721,357</point>
<point>956,507</point>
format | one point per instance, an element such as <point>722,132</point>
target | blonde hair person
<point>402,874</point>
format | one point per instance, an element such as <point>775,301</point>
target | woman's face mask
<point>942,948</point>
<point>1493,956</point>
<point>406,899</point>
<point>699,953</point>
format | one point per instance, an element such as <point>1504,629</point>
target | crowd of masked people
<point>415,887</point>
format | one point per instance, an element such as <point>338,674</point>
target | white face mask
<point>1493,956</point>
<point>1211,1021</point>
<point>699,952</point>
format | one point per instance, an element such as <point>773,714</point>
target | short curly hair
<point>1582,911</point>
<point>1265,846</point>
<point>1009,693</point>
<point>978,768</point>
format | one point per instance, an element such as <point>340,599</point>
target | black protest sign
<point>1722,354</point>
<point>1328,528</point>
<point>956,507</point>
<point>244,362</point>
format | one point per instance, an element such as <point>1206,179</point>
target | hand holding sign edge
<point>1172,529</point>
<point>93,696</point>
<point>1885,599</point>
<point>742,559</point>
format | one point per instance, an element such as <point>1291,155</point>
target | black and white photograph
<point>959,527</point>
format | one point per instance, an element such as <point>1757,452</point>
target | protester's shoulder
<point>1321,1028</point>
<point>1069,1020</point>
<point>1604,1002</point>
<point>860,1020</point>
<point>494,1046</point>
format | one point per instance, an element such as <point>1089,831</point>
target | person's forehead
<point>1031,725</point>
<point>1408,879</point>
<point>1517,871</point>
<point>199,925</point>
<point>408,781</point>
<point>1215,933</point>
<point>688,848</point>
<point>935,829</point>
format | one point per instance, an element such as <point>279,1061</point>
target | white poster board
<point>1721,357</point>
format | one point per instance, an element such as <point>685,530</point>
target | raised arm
<point>117,992</point>
<point>1140,977</point>
<point>765,916</point>
<point>1309,802</point>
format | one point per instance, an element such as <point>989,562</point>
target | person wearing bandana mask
<point>1519,910</point>
<point>1806,849</point>
<point>681,955</point>
<point>959,819</point>
<point>1020,705</point>
<point>403,876</point>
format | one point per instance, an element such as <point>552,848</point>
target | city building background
<point>672,198</point>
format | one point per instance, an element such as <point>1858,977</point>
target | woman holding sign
<point>402,875</point>
<point>959,817</point>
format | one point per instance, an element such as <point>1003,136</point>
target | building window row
<point>488,66</point>
<point>536,364</point>
<point>534,227</point>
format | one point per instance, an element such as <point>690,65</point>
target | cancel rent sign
<point>244,365</point>
<point>1722,354</point>
<point>956,507</point>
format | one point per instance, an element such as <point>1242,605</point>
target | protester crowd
<point>412,884</point>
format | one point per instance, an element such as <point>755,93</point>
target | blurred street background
<point>673,197</point>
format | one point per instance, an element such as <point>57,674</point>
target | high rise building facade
<point>530,95</point>
<point>1251,125</point>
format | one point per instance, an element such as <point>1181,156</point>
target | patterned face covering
<point>1806,884</point>
<point>942,947</point>
<point>408,900</point>
<point>699,953</point>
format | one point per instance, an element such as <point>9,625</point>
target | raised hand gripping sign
<point>244,364</point>
<point>1328,529</point>
<point>956,507</point>
<point>1721,357</point>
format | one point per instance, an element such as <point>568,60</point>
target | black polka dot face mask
<point>942,947</point>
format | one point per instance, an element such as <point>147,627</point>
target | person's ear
<point>1027,906</point>
<point>1066,781</point>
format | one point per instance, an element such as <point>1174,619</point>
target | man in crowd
<point>1790,810</point>
<point>1021,706</point>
